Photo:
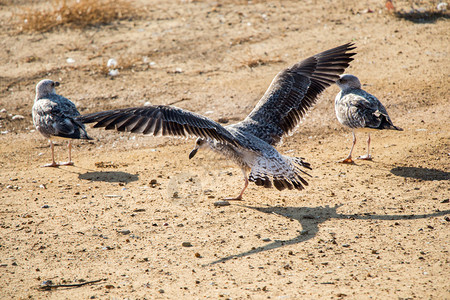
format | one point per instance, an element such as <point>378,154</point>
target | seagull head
<point>45,87</point>
<point>199,143</point>
<point>347,81</point>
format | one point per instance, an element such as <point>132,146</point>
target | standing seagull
<point>54,117</point>
<point>249,143</point>
<point>359,110</point>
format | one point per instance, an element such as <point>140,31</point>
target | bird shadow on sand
<point>421,173</point>
<point>310,218</point>
<point>422,17</point>
<point>109,176</point>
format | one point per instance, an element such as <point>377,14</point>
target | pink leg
<point>239,198</point>
<point>53,163</point>
<point>70,162</point>
<point>367,156</point>
<point>349,159</point>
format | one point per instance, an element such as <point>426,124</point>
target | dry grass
<point>75,14</point>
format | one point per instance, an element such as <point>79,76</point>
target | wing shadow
<point>421,173</point>
<point>110,176</point>
<point>310,218</point>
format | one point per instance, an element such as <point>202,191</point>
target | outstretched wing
<point>293,91</point>
<point>160,120</point>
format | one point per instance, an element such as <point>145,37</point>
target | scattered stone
<point>124,231</point>
<point>186,244</point>
<point>113,73</point>
<point>161,291</point>
<point>47,283</point>
<point>18,117</point>
<point>221,203</point>
<point>139,210</point>
<point>445,201</point>
<point>223,120</point>
<point>266,240</point>
<point>113,196</point>
<point>197,255</point>
<point>45,206</point>
<point>109,286</point>
<point>345,245</point>
<point>112,63</point>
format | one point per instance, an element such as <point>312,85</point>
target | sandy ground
<point>376,229</point>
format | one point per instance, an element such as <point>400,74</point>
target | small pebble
<point>197,255</point>
<point>186,244</point>
<point>161,291</point>
<point>112,63</point>
<point>345,245</point>
<point>18,117</point>
<point>45,206</point>
<point>221,203</point>
<point>113,73</point>
<point>266,240</point>
<point>124,231</point>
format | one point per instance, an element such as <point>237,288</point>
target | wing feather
<point>293,92</point>
<point>160,120</point>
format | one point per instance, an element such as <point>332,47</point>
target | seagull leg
<point>367,156</point>
<point>349,159</point>
<point>239,198</point>
<point>53,163</point>
<point>70,162</point>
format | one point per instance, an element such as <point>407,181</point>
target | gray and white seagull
<point>249,143</point>
<point>54,117</point>
<point>360,111</point>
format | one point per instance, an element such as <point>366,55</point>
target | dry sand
<point>376,229</point>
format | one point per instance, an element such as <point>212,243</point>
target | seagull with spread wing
<point>54,117</point>
<point>249,143</point>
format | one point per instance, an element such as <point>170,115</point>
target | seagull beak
<point>56,83</point>
<point>193,152</point>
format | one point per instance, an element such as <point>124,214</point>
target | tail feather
<point>286,175</point>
